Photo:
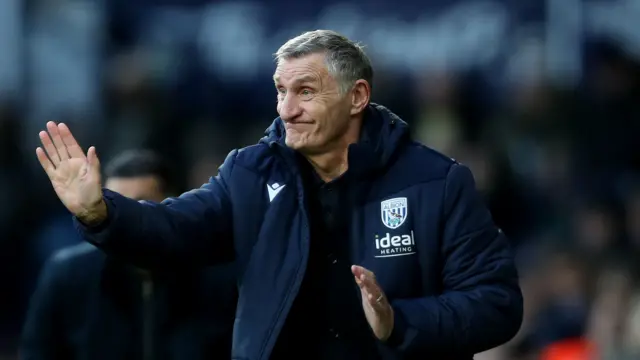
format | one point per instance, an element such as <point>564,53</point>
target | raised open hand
<point>74,176</point>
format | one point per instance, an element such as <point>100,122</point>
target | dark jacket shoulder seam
<point>236,163</point>
<point>423,182</point>
<point>246,168</point>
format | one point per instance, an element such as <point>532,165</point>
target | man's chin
<point>295,141</point>
<point>295,145</point>
<point>304,144</point>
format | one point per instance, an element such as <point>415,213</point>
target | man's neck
<point>332,164</point>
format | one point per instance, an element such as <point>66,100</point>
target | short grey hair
<point>346,59</point>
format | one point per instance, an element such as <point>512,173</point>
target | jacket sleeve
<point>481,304</point>
<point>194,228</point>
<point>41,332</point>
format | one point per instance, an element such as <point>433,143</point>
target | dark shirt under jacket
<point>327,320</point>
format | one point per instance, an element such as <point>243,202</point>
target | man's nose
<point>289,108</point>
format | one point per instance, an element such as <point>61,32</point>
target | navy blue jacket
<point>88,306</point>
<point>418,224</point>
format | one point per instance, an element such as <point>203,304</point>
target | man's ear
<point>360,96</point>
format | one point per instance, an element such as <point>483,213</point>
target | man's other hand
<point>377,309</point>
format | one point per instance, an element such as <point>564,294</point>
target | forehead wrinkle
<point>300,79</point>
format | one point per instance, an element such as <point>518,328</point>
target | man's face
<point>314,112</point>
<point>138,188</point>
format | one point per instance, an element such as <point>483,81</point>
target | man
<point>336,181</point>
<point>90,306</point>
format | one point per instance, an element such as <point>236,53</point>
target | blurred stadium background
<point>539,97</point>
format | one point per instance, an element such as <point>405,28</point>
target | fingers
<point>45,162</point>
<point>92,158</point>
<point>54,133</point>
<point>49,148</point>
<point>73,148</point>
<point>363,276</point>
<point>59,144</point>
<point>366,280</point>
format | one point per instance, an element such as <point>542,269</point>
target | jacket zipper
<point>147,319</point>
<point>272,338</point>
<point>290,297</point>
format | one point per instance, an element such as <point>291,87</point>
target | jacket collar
<point>383,133</point>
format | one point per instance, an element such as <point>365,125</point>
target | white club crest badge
<point>394,212</point>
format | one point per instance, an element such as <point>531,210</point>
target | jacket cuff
<point>96,229</point>
<point>399,330</point>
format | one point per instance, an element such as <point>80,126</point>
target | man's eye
<point>305,92</point>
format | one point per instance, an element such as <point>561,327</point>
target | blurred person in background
<point>611,307</point>
<point>13,208</point>
<point>336,181</point>
<point>595,227</point>
<point>631,338</point>
<point>561,305</point>
<point>632,214</point>
<point>92,306</point>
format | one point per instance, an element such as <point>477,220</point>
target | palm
<point>374,316</point>
<point>74,176</point>
<point>73,182</point>
<point>377,309</point>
